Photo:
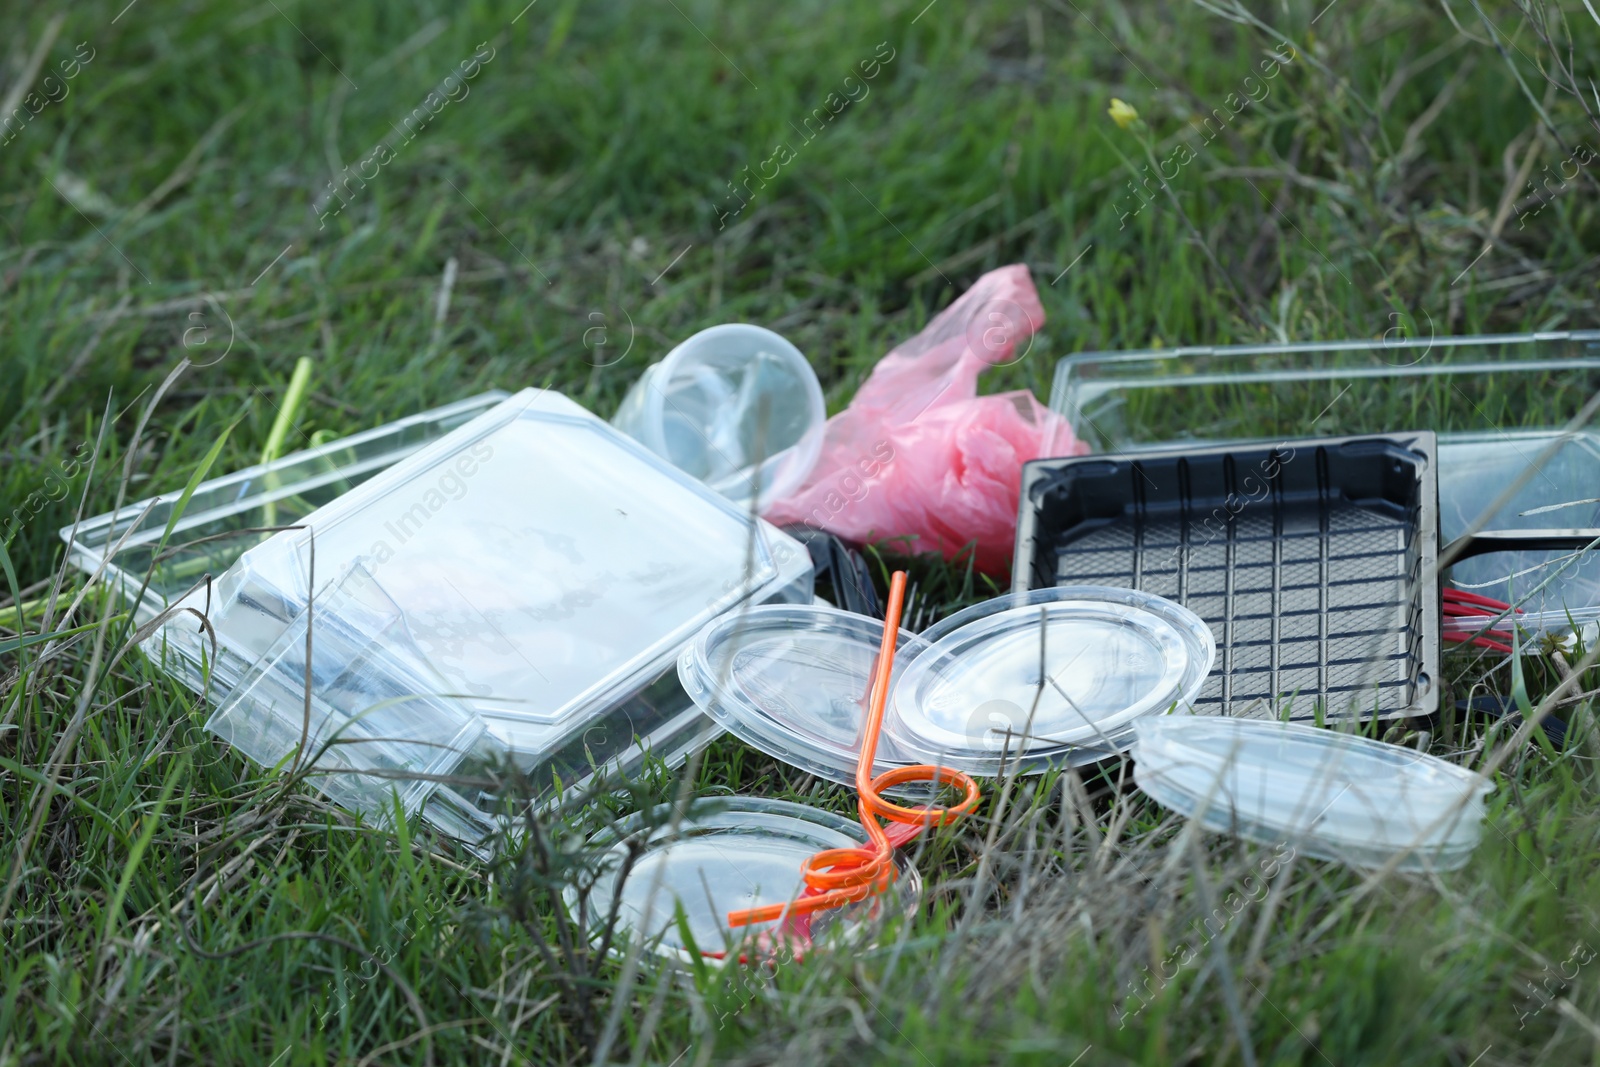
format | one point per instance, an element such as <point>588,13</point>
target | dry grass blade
<point>35,62</point>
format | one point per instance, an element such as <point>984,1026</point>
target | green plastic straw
<point>293,397</point>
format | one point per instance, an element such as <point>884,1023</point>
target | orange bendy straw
<point>839,876</point>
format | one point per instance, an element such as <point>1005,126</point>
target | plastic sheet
<point>919,455</point>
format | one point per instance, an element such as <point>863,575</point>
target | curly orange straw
<point>838,876</point>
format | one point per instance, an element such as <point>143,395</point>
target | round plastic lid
<point>1109,657</point>
<point>1328,794</point>
<point>792,680</point>
<point>737,406</point>
<point>725,855</point>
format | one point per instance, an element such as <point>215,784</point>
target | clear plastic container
<point>224,516</point>
<point>519,588</point>
<point>1328,794</point>
<point>1495,400</point>
<point>1125,401</point>
<point>377,716</point>
<point>1474,469</point>
<point>737,406</point>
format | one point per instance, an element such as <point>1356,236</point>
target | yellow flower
<point>1122,113</point>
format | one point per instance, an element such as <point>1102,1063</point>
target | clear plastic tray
<point>522,584</point>
<point>1123,401</point>
<point>1496,402</point>
<point>1474,469</point>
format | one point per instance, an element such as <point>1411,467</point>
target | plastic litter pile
<point>511,580</point>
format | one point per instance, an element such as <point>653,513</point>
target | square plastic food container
<point>1501,404</point>
<point>1313,562</point>
<point>518,586</point>
<point>214,528</point>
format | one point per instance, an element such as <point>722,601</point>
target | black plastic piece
<point>1496,706</point>
<point>1314,562</point>
<point>840,571</point>
<point>1487,541</point>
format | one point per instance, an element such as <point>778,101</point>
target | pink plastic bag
<point>919,455</point>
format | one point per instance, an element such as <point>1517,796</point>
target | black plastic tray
<point>1313,561</point>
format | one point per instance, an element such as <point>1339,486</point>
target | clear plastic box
<point>1497,402</point>
<point>1476,468</point>
<point>209,537</point>
<point>1122,401</point>
<point>519,585</point>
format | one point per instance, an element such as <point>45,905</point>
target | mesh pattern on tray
<point>1326,609</point>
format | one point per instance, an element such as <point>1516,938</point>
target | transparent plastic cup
<point>736,406</point>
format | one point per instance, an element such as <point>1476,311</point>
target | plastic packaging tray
<point>1314,562</point>
<point>1495,401</point>
<point>1125,401</point>
<point>1565,494</point>
<point>519,587</point>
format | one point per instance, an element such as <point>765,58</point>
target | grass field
<point>173,243</point>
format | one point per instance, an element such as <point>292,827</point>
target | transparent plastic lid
<point>1328,794</point>
<point>792,681</point>
<point>737,406</point>
<point>225,515</point>
<point>1108,657</point>
<point>529,576</point>
<point>724,855</point>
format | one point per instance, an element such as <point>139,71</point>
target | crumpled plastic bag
<point>919,456</point>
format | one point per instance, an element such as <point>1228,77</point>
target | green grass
<point>166,901</point>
